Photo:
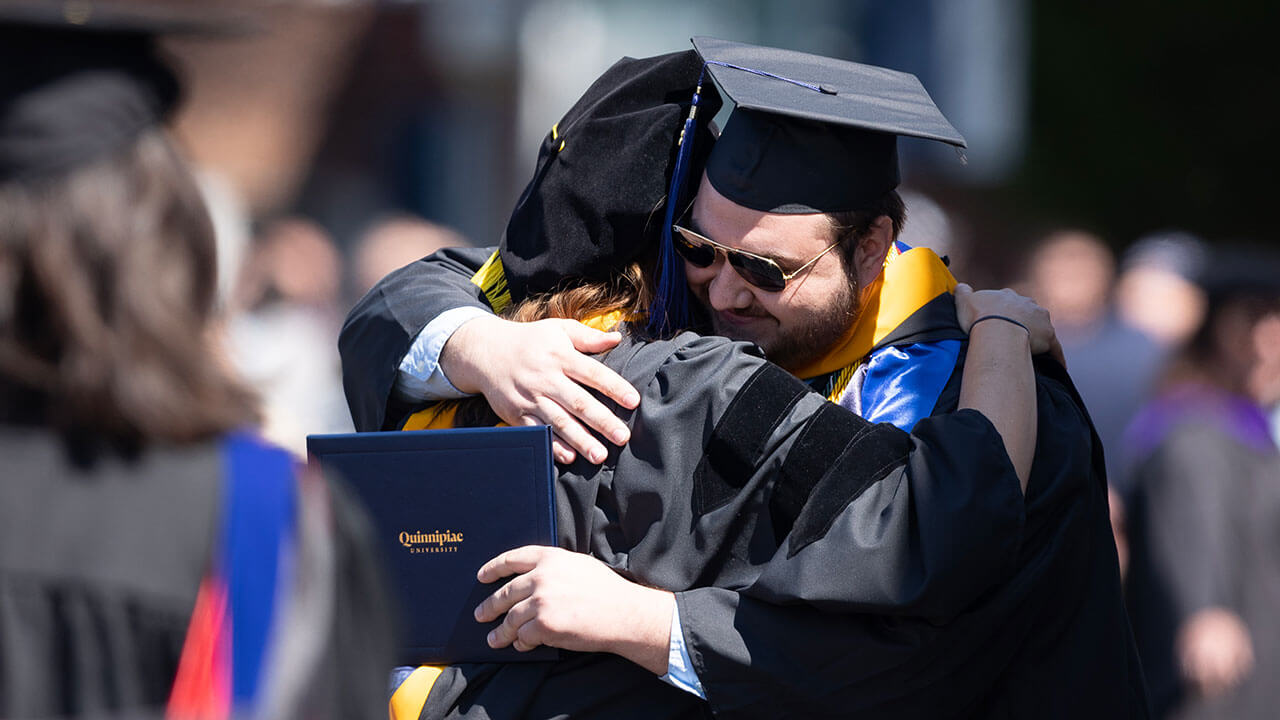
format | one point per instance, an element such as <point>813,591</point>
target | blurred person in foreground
<point>152,554</point>
<point>281,335</point>
<point>1205,512</point>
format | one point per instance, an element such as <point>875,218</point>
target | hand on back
<point>974,304</point>
<point>537,374</point>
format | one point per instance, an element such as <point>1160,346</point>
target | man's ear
<point>871,252</point>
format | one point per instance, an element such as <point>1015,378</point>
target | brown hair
<point>628,291</point>
<point>852,226</point>
<point>107,283</point>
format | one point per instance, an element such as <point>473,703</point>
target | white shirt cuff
<point>420,377</point>
<point>680,671</point>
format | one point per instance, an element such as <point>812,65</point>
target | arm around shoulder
<point>382,326</point>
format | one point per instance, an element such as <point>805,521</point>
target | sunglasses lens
<point>697,253</point>
<point>700,253</point>
<point>759,272</point>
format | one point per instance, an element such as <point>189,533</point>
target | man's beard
<point>804,343</point>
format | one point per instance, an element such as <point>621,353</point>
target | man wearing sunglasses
<point>763,272</point>
<point>790,244</point>
<point>763,311</point>
<point>788,283</point>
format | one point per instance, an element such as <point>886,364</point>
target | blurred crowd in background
<point>336,141</point>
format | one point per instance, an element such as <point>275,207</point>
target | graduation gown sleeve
<point>760,660</point>
<point>384,323</point>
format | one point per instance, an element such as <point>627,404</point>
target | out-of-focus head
<point>1157,291</point>
<point>72,94</point>
<point>394,242</point>
<point>1264,381</point>
<point>1237,344</point>
<point>1071,273</point>
<point>106,251</point>
<point>293,261</point>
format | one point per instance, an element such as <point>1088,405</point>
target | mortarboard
<point>812,133</point>
<point>603,174</point>
<point>809,134</point>
<point>80,79</point>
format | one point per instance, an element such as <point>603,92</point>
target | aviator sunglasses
<point>700,251</point>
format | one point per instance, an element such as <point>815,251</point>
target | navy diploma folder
<point>443,503</point>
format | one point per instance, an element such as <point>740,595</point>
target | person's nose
<point>726,290</point>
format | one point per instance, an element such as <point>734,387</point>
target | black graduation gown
<point>1204,526</point>
<point>94,604</point>
<point>100,564</point>
<point>787,509</point>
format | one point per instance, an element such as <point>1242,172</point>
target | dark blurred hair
<point>1238,278</point>
<point>851,226</point>
<point>107,283</point>
<point>1242,286</point>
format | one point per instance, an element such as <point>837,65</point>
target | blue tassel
<point>669,312</point>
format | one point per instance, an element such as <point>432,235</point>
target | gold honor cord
<point>408,699</point>
<point>910,281</point>
<point>492,281</point>
<point>840,381</point>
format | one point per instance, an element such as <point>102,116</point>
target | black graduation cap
<point>598,195</point>
<point>812,133</point>
<point>81,79</point>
